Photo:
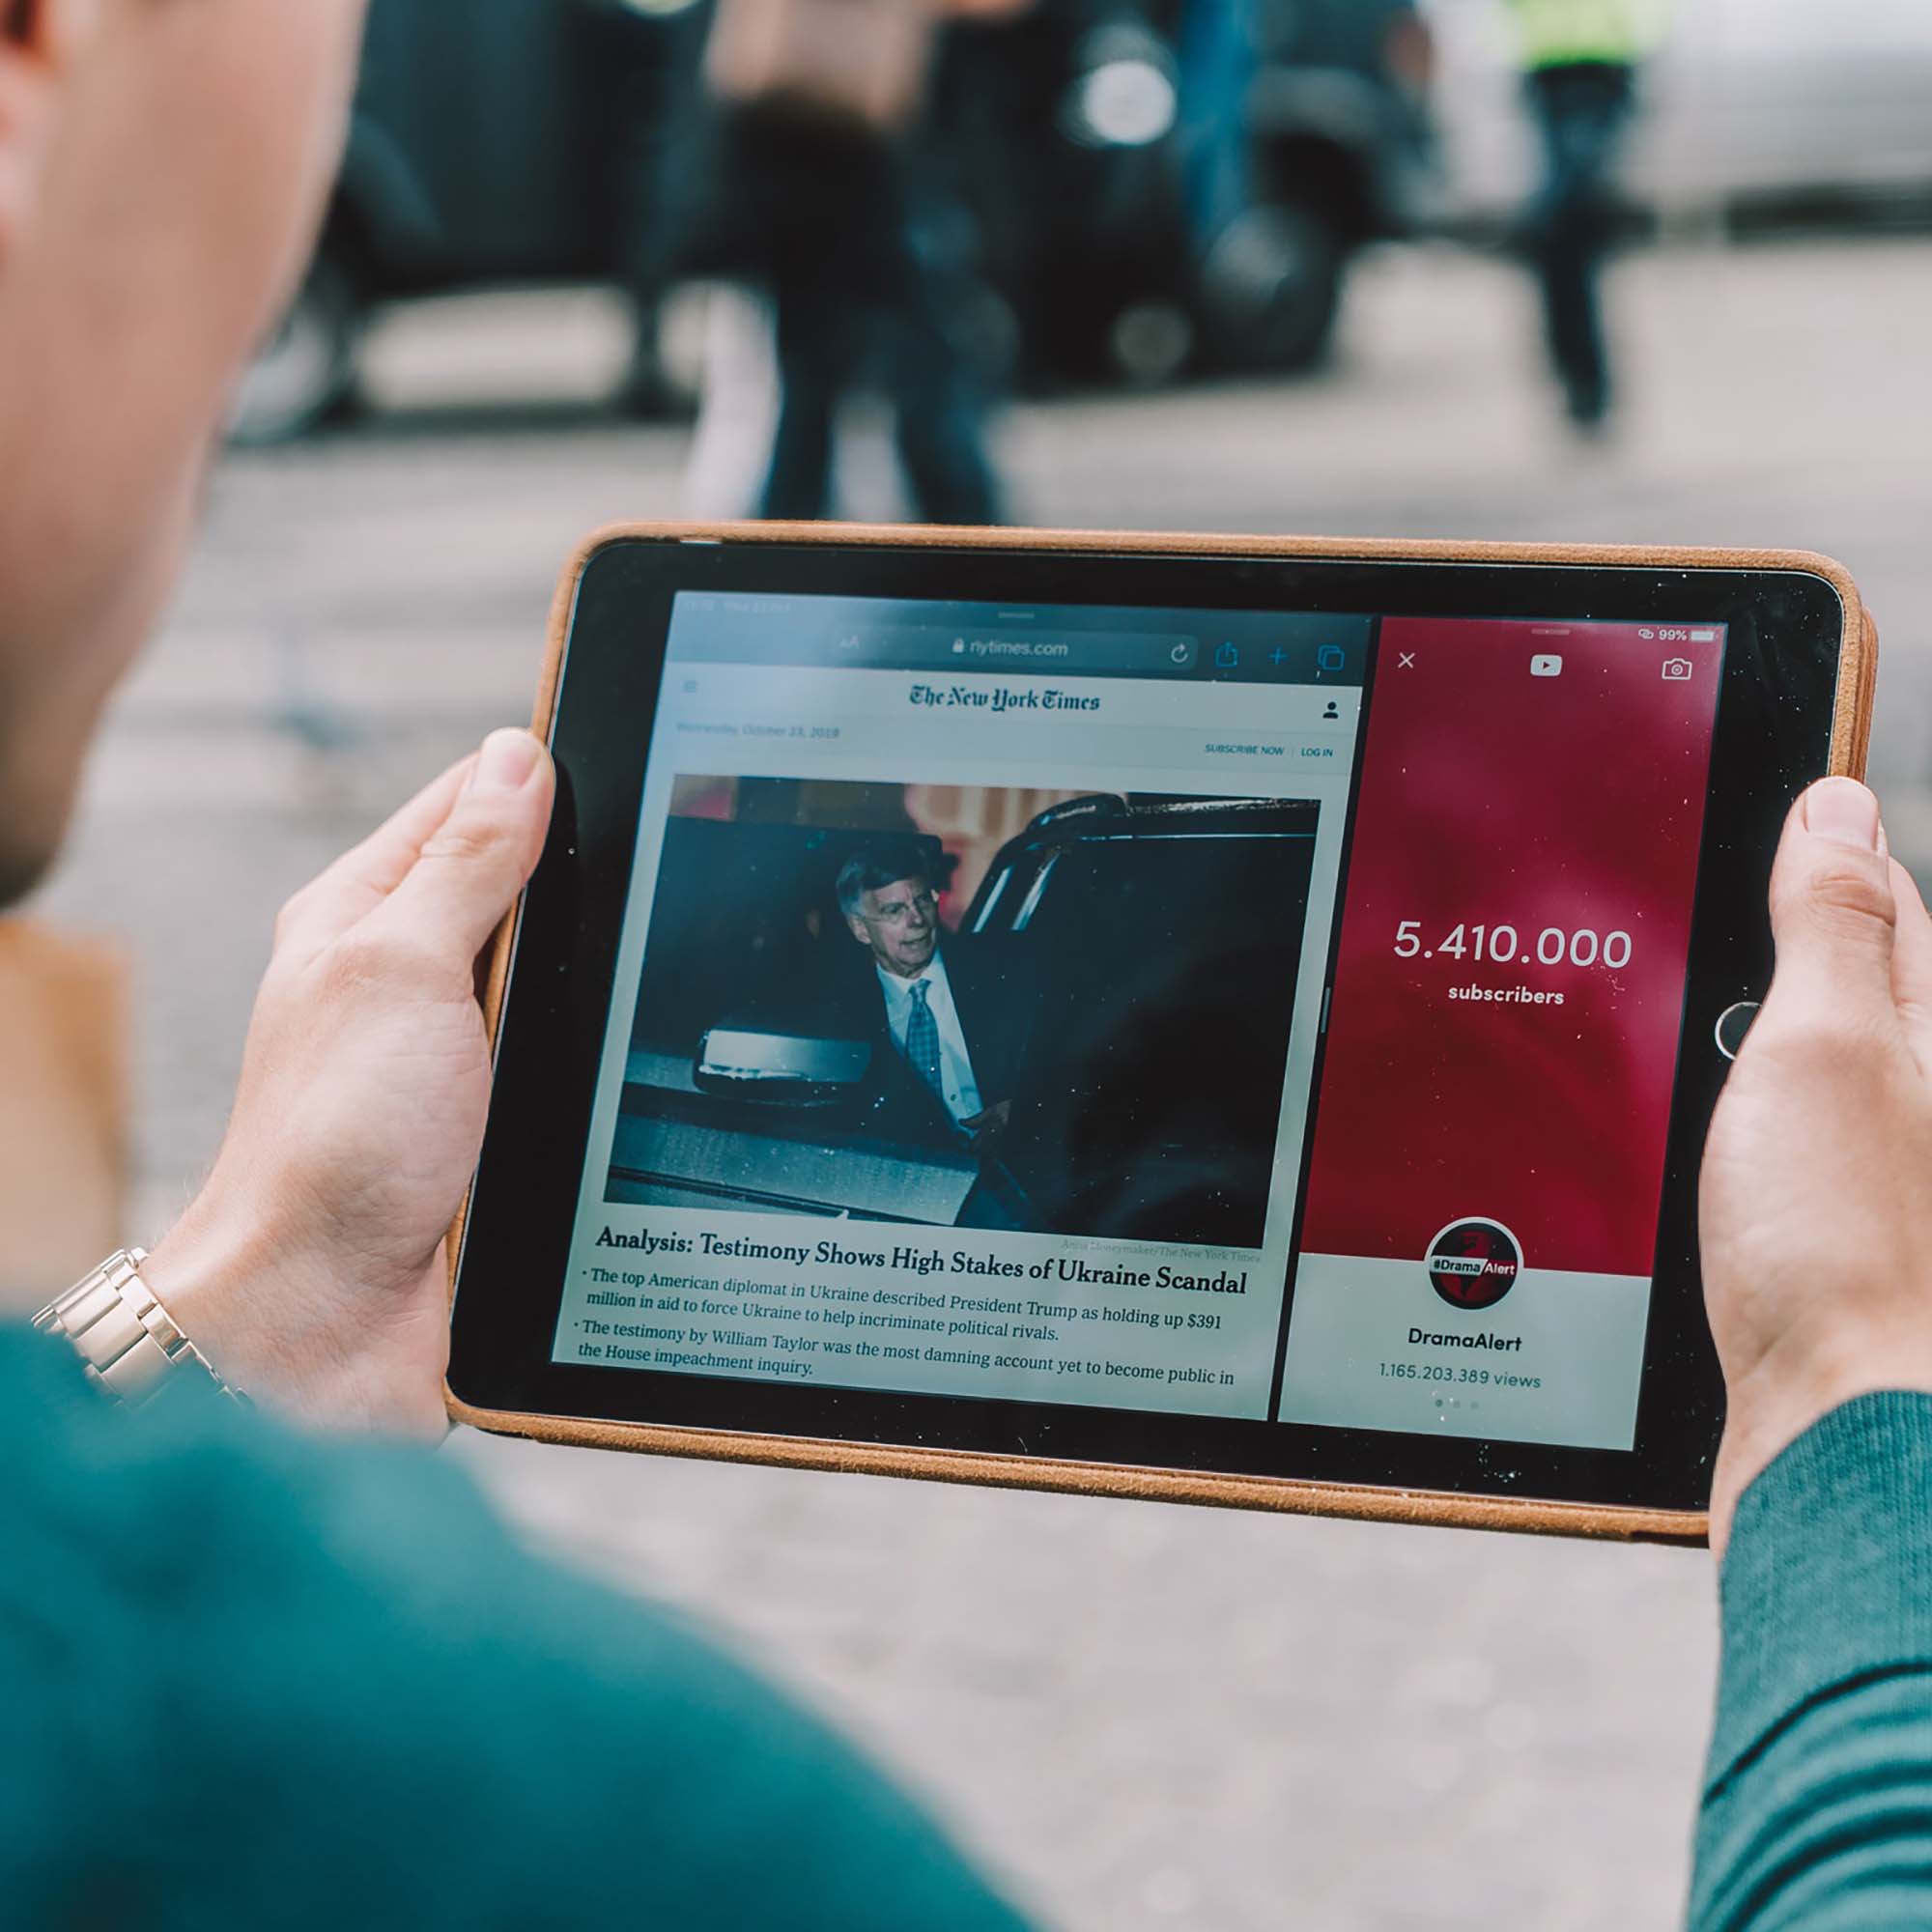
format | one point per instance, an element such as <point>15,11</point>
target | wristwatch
<point>129,1343</point>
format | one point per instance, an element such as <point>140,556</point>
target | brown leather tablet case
<point>1851,734</point>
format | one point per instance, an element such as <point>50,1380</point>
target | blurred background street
<point>1143,1718</point>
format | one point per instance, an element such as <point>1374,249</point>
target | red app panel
<point>1508,1002</point>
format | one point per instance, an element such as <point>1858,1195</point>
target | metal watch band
<point>126,1340</point>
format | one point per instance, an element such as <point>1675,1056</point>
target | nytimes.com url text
<point>1014,648</point>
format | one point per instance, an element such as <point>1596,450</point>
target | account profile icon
<point>1473,1262</point>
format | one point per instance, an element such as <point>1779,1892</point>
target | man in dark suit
<point>948,1023</point>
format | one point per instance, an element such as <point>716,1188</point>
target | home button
<point>1733,1023</point>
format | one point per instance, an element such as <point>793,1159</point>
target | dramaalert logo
<point>1473,1263</point>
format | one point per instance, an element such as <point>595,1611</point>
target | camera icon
<point>1677,671</point>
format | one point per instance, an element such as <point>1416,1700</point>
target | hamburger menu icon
<point>1473,1263</point>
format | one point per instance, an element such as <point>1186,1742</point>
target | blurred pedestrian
<point>645,55</point>
<point>822,196</point>
<point>1581,58</point>
<point>1217,59</point>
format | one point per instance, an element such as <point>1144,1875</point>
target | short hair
<point>874,868</point>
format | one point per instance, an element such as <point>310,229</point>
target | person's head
<point>163,164</point>
<point>886,892</point>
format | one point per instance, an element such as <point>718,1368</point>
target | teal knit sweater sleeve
<point>1817,1808</point>
<point>252,1680</point>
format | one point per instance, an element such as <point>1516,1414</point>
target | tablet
<point>1230,1020</point>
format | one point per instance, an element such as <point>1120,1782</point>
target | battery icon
<point>1703,636</point>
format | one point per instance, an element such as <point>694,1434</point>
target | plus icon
<point>1277,657</point>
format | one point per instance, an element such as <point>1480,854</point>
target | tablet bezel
<point>1791,707</point>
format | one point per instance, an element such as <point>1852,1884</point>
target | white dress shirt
<point>956,1063</point>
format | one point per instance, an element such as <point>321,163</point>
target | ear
<point>40,42</point>
<point>857,927</point>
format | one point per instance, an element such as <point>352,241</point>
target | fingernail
<point>506,760</point>
<point>1844,812</point>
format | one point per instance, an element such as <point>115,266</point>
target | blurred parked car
<point>492,142</point>
<point>1106,273</point>
<point>1339,116</point>
<point>1756,110</point>
<point>526,142</point>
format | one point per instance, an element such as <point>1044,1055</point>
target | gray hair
<point>874,868</point>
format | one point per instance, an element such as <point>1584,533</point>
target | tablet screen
<point>1246,1015</point>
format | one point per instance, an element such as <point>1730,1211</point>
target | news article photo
<point>1032,1010</point>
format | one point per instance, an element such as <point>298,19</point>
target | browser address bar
<point>935,648</point>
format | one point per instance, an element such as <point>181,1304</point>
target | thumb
<point>1834,913</point>
<point>471,868</point>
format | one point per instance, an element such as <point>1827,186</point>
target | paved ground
<point>1145,1718</point>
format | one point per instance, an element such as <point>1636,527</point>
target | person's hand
<point>1816,1208</point>
<point>988,1126</point>
<point>309,1270</point>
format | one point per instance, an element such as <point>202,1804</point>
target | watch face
<point>1473,1263</point>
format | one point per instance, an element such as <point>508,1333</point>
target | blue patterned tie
<point>921,1041</point>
